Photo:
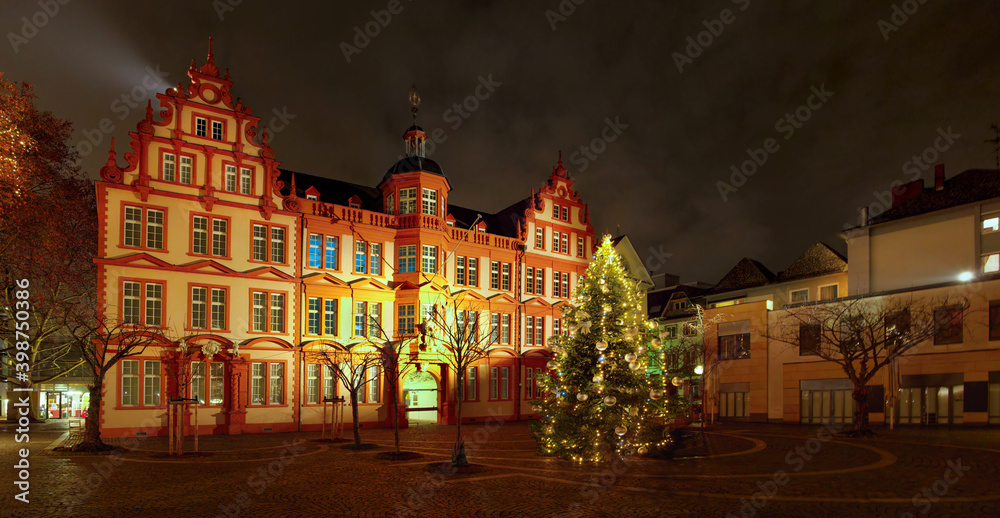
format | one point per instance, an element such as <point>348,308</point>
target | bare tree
<point>104,342</point>
<point>393,357</point>
<point>454,332</point>
<point>353,369</point>
<point>866,334</point>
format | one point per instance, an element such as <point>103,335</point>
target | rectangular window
<point>408,200</point>
<point>199,308</point>
<point>565,285</point>
<point>332,257</point>
<point>734,340</point>
<point>540,238</point>
<point>257,387</point>
<point>329,387</point>
<point>505,328</point>
<point>799,296</point>
<point>168,168</point>
<point>991,225</point>
<point>407,258</point>
<point>218,309</point>
<point>579,247</point>
<point>564,246</point>
<point>539,330</point>
<point>373,389</point>
<point>375,320</point>
<point>404,319</point>
<point>130,382</point>
<point>315,251</point>
<point>828,292</point>
<point>312,383</point>
<point>430,202</point>
<point>206,229</point>
<point>474,272</point>
<point>360,257</point>
<point>555,212</point>
<point>200,127</point>
<point>276,384</point>
<point>131,302</point>
<point>529,330</point>
<point>230,185</point>
<point>268,312</point>
<point>151,383</point>
<point>671,332</point>
<point>494,382</point>
<point>360,317</point>
<point>529,286</point>
<point>495,328</point>
<point>330,317</point>
<point>555,284</point>
<point>390,204</point>
<point>556,327</point>
<point>187,168</point>
<point>505,277</point>
<point>471,382</point>
<point>565,213</point>
<point>217,130</point>
<point>375,258</point>
<point>259,312</point>
<point>460,270</point>
<point>948,327</point>
<point>539,281</point>
<point>991,263</point>
<point>555,241</point>
<point>494,275</point>
<point>268,243</point>
<point>313,317</point>
<point>197,389</point>
<point>809,339</point>
<point>428,259</point>
<point>246,181</point>
<point>504,382</point>
<point>143,228</point>
<point>529,383</point>
<point>154,304</point>
<point>277,313</point>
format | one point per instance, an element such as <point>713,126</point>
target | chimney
<point>939,177</point>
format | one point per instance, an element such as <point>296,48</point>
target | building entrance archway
<point>421,394</point>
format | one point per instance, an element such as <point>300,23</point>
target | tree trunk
<point>92,431</point>
<point>354,411</point>
<point>860,396</point>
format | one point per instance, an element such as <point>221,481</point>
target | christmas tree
<point>601,401</point>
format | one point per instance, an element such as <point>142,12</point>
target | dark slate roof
<point>509,219</point>
<point>331,191</point>
<point>413,164</point>
<point>748,273</point>
<point>819,259</point>
<point>967,187</point>
<point>656,301</point>
<point>464,218</point>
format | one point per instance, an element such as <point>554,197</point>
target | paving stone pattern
<point>294,475</point>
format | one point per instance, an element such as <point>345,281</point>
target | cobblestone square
<point>749,470</point>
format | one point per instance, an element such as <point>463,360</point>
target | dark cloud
<point>656,181</point>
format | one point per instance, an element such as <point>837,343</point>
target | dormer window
<point>354,205</point>
<point>312,197</point>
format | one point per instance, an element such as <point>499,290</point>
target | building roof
<point>748,273</point>
<point>657,300</point>
<point>967,187</point>
<point>412,164</point>
<point>818,260</point>
<point>331,191</point>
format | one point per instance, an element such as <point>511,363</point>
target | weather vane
<point>414,102</point>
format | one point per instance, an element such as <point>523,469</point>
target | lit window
<point>186,170</point>
<point>151,383</point>
<point>207,314</point>
<point>405,322</point>
<point>276,388</point>
<point>168,170</point>
<point>135,297</point>
<point>408,200</point>
<point>494,275</point>
<point>130,382</point>
<point>407,258</point>
<point>430,202</point>
<point>230,178</point>
<point>200,236</point>
<point>991,263</point>
<point>540,238</point>
<point>136,218</point>
<point>579,247</point>
<point>991,225</point>
<point>375,258</point>
<point>505,277</point>
<point>428,262</point>
<point>265,235</point>
<point>360,257</point>
<point>246,181</point>
<point>828,292</point>
<point>799,296</point>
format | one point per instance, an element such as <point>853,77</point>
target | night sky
<point>891,87</point>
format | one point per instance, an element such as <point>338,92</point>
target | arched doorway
<point>420,393</point>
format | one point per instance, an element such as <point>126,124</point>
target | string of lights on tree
<point>605,391</point>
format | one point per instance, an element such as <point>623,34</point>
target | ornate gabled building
<point>247,268</point>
